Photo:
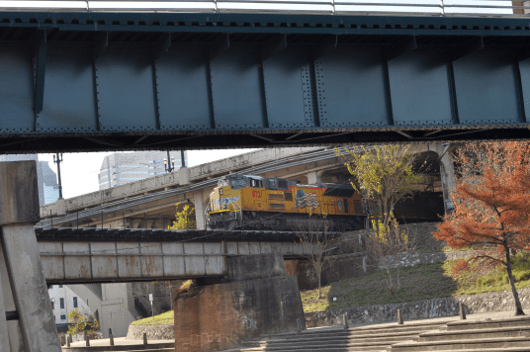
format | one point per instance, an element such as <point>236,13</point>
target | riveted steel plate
<point>183,92</point>
<point>419,87</point>
<point>16,89</point>
<point>69,98</point>
<point>237,90</point>
<point>351,88</point>
<point>285,88</point>
<point>486,88</point>
<point>127,70</point>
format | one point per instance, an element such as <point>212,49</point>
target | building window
<point>63,316</point>
<point>60,286</point>
<point>53,305</point>
<point>54,318</point>
<point>75,302</point>
<point>61,303</point>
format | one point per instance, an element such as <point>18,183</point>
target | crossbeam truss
<point>81,82</point>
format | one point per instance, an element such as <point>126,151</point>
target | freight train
<point>254,202</point>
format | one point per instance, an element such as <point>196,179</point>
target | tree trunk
<point>319,274</point>
<point>390,281</point>
<point>398,281</point>
<point>518,307</point>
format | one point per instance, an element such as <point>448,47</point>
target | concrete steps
<point>511,334</point>
<point>376,338</point>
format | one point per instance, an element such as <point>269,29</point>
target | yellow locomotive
<point>254,202</point>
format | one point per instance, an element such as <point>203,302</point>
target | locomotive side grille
<point>277,196</point>
<point>277,206</point>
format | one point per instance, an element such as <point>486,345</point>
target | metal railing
<point>482,8</point>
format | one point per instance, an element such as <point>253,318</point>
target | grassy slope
<point>166,318</point>
<point>419,282</point>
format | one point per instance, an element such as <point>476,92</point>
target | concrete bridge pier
<point>447,171</point>
<point>314,177</point>
<point>23,282</point>
<point>200,201</point>
<point>256,297</point>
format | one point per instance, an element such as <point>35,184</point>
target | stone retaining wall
<point>425,309</point>
<point>411,259</point>
<point>154,332</point>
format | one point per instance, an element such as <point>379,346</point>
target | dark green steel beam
<point>190,81</point>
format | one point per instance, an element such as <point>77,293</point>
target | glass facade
<point>121,168</point>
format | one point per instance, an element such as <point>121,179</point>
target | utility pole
<point>58,159</point>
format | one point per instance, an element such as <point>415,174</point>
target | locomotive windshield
<point>242,181</point>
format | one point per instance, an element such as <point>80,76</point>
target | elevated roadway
<point>150,203</point>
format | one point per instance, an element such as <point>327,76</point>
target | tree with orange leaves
<point>491,204</point>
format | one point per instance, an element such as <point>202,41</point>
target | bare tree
<point>384,175</point>
<point>382,244</point>
<point>318,243</point>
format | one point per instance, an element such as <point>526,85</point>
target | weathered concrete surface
<point>344,267</point>
<point>425,309</point>
<point>75,261</point>
<point>19,211</point>
<point>154,332</point>
<point>29,289</point>
<point>4,337</point>
<point>214,317</point>
<point>19,194</point>
<point>13,329</point>
<point>255,267</point>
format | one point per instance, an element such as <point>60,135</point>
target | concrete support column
<point>447,172</point>
<point>314,177</point>
<point>184,176</point>
<point>13,328</point>
<point>4,346</point>
<point>200,209</point>
<point>19,211</point>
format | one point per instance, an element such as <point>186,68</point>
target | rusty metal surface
<point>81,261</point>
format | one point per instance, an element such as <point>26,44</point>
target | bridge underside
<point>88,82</point>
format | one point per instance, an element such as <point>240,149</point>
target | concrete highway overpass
<point>150,203</point>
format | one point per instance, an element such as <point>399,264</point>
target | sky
<point>79,171</point>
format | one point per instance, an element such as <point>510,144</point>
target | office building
<point>48,187</point>
<point>121,168</point>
